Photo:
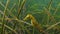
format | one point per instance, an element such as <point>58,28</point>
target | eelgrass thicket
<point>29,16</point>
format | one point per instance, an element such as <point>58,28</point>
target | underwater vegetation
<point>29,16</point>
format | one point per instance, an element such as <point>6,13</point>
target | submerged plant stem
<point>3,28</point>
<point>22,4</point>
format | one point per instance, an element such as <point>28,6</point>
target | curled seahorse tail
<point>44,32</point>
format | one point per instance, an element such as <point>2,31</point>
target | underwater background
<point>46,12</point>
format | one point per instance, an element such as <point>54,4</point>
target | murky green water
<point>36,8</point>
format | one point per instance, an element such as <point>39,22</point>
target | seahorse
<point>34,23</point>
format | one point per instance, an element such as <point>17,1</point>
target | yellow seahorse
<point>34,23</point>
